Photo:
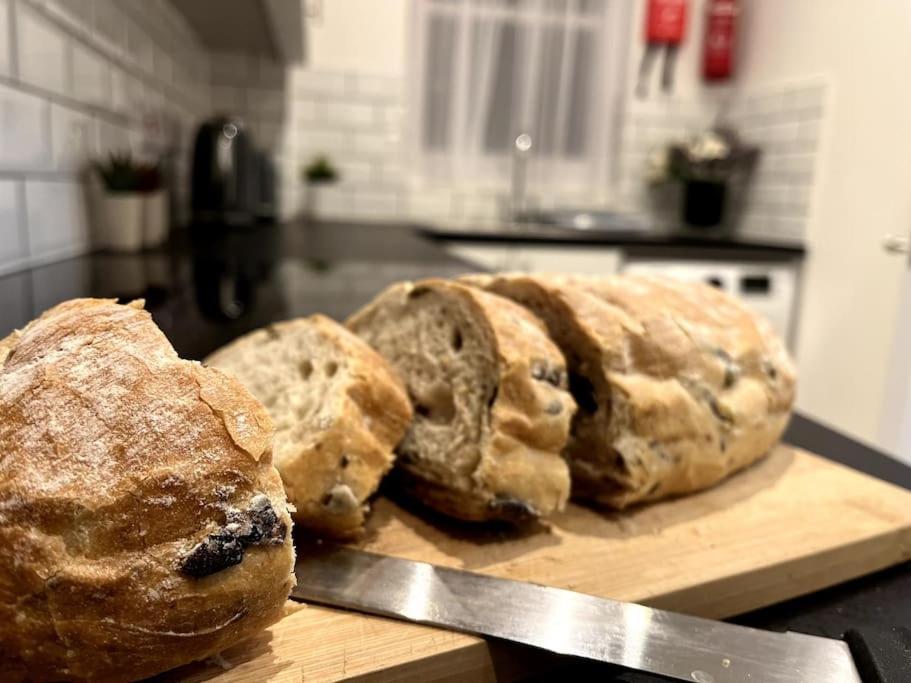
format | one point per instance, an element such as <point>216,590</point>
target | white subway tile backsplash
<point>308,112</point>
<point>162,65</point>
<point>307,82</point>
<point>322,141</point>
<point>73,137</point>
<point>232,70</point>
<point>345,114</point>
<point>376,205</point>
<point>12,245</point>
<point>91,77</point>
<point>110,25</point>
<point>25,122</point>
<point>76,13</point>
<point>376,87</point>
<point>56,218</point>
<point>376,144</point>
<point>356,172</point>
<point>42,51</point>
<point>140,48</point>
<point>6,43</point>
<point>227,100</point>
<point>265,104</point>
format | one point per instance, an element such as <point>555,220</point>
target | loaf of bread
<point>339,412</point>
<point>492,412</point>
<point>678,385</point>
<point>142,524</point>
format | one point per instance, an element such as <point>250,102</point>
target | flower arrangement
<point>716,156</point>
<point>707,164</point>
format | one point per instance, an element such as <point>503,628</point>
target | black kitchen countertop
<point>207,287</point>
<point>705,244</point>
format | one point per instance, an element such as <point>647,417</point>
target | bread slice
<point>489,391</point>
<point>678,385</point>
<point>141,521</point>
<point>338,410</point>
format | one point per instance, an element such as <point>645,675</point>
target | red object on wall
<point>665,22</point>
<point>720,38</point>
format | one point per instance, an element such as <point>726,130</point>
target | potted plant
<point>708,165</point>
<point>316,175</point>
<point>121,204</point>
<point>155,209</point>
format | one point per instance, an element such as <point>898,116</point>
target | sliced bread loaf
<point>678,385</point>
<point>489,391</point>
<point>338,410</point>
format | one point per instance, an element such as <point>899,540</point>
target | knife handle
<point>881,656</point>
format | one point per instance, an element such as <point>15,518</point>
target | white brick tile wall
<point>13,249</point>
<point>376,87</point>
<point>140,49</point>
<point>25,143</point>
<point>85,80</point>
<point>349,115</point>
<point>42,51</point>
<point>785,122</point>
<point>75,138</point>
<point>305,82</point>
<point>91,82</point>
<point>307,112</point>
<point>56,218</point>
<point>6,46</point>
<point>110,25</point>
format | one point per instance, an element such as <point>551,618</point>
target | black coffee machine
<point>225,174</point>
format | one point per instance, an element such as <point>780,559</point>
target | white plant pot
<point>122,220</point>
<point>156,218</point>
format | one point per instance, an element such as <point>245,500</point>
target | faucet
<point>517,190</point>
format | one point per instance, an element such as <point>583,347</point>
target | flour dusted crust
<point>491,408</point>
<point>339,412</point>
<point>679,385</point>
<point>141,521</point>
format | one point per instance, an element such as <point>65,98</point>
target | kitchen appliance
<point>266,203</point>
<point>224,180</point>
<point>770,289</point>
<point>562,621</point>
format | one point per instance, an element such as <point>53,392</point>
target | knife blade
<point>565,622</point>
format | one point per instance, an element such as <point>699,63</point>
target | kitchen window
<point>484,71</point>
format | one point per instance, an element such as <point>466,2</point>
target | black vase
<point>703,203</point>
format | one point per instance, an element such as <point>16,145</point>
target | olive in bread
<point>678,385</point>
<point>488,387</point>
<point>339,412</point>
<point>142,523</point>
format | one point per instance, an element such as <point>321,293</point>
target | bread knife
<point>565,622</point>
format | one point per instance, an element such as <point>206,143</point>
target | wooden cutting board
<point>791,524</point>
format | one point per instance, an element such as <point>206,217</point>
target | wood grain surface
<point>790,524</point>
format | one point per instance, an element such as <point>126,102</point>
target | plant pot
<point>155,218</point>
<point>703,203</point>
<point>121,215</point>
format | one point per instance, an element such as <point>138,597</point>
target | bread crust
<point>118,460</point>
<point>519,475</point>
<point>331,472</point>
<point>686,385</point>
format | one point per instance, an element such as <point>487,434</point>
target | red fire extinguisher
<point>665,27</point>
<point>720,36</point>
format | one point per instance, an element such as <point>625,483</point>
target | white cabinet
<point>533,258</point>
